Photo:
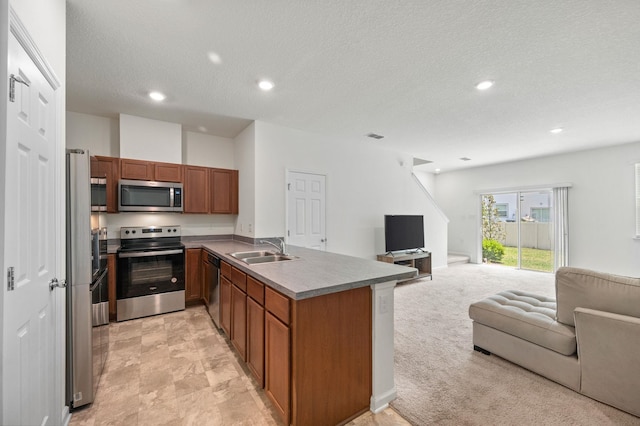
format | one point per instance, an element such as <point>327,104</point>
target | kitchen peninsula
<point>316,332</point>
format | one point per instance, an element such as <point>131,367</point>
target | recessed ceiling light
<point>215,58</point>
<point>557,130</point>
<point>157,96</point>
<point>465,158</point>
<point>484,85</point>
<point>437,171</point>
<point>266,85</point>
<point>375,136</point>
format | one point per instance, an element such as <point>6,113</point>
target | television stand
<point>421,260</point>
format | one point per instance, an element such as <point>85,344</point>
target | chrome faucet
<point>282,247</point>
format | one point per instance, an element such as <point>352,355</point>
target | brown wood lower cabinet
<point>313,354</point>
<point>239,321</point>
<point>331,347</point>
<point>225,305</point>
<point>277,383</point>
<point>193,278</point>
<point>255,340</point>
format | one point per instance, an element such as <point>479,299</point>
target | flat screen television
<point>403,232</point>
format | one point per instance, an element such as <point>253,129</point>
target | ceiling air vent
<point>375,136</point>
<point>465,158</point>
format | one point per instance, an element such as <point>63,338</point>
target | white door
<point>306,210</point>
<point>31,350</point>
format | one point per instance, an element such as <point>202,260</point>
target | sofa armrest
<point>609,356</point>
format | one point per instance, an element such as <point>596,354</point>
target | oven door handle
<point>150,253</point>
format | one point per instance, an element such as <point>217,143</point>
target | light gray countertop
<point>315,273</point>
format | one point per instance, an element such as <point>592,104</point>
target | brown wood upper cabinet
<point>196,189</point>
<point>150,170</point>
<point>224,191</point>
<point>108,167</point>
<point>206,189</point>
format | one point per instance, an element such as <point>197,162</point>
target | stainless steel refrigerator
<point>87,277</point>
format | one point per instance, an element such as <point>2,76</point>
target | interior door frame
<point>18,29</point>
<point>288,171</point>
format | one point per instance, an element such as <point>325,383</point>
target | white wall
<point>427,179</point>
<point>245,160</point>
<point>100,135</point>
<point>152,140</point>
<point>46,22</point>
<point>363,184</point>
<point>191,224</point>
<point>601,203</point>
<point>199,149</point>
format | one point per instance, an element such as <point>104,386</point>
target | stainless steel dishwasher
<point>212,275</point>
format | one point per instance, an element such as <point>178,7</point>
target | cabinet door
<point>225,305</point>
<point>224,191</point>
<point>196,189</point>
<point>108,167</point>
<point>239,321</point>
<point>167,172</point>
<point>136,169</point>
<point>277,372</point>
<point>193,284</point>
<point>255,339</point>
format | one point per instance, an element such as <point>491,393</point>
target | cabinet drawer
<point>225,269</point>
<point>277,304</point>
<point>239,278</point>
<point>255,290</point>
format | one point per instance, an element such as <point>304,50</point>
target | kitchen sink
<point>247,254</point>
<point>261,256</point>
<point>268,259</point>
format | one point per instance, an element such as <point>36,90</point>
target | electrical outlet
<point>383,304</point>
<point>250,228</point>
<point>241,227</point>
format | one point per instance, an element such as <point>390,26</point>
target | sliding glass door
<point>517,229</point>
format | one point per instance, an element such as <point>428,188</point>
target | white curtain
<point>637,200</point>
<point>561,222</point>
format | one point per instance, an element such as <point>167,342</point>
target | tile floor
<point>177,369</point>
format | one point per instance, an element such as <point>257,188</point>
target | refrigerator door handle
<point>55,283</point>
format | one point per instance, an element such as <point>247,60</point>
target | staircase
<point>456,259</point>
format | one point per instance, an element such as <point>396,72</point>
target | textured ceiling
<point>347,68</point>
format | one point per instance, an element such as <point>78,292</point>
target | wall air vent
<point>420,161</point>
<point>465,158</point>
<point>375,136</point>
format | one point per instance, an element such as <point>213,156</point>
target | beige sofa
<point>587,339</point>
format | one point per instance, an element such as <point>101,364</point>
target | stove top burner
<point>148,238</point>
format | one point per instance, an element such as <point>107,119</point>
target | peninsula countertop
<point>314,273</point>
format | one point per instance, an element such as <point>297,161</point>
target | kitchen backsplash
<point>191,224</point>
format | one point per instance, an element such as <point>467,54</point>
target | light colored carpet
<point>440,378</point>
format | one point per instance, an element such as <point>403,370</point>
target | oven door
<point>144,273</point>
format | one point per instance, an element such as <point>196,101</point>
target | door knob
<point>55,283</point>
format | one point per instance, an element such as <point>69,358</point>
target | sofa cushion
<point>584,288</point>
<point>528,316</point>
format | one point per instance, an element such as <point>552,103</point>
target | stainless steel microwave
<point>148,196</point>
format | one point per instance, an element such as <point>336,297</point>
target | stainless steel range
<point>150,271</point>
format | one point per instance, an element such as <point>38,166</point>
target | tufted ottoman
<point>525,315</point>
